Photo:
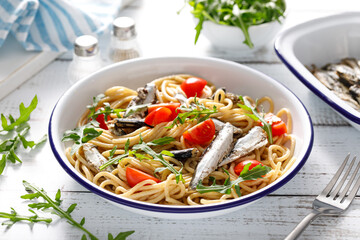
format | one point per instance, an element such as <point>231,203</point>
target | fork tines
<point>343,196</point>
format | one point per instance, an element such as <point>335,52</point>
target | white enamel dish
<point>136,73</point>
<point>321,41</point>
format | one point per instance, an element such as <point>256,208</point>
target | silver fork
<point>331,200</point>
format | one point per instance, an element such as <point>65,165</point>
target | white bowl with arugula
<point>245,25</point>
<point>136,73</point>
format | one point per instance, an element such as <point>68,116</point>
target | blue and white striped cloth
<point>53,25</point>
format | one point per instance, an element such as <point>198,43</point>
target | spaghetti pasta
<point>278,155</point>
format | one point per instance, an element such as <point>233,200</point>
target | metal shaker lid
<point>86,46</point>
<point>124,28</point>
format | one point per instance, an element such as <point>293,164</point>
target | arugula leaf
<point>246,174</point>
<point>80,136</point>
<point>198,112</point>
<point>242,14</point>
<point>256,116</point>
<point>54,206</point>
<point>120,236</point>
<point>145,147</point>
<point>14,217</point>
<point>93,106</point>
<point>9,146</point>
<point>24,116</point>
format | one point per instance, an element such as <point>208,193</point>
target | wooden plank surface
<point>270,218</point>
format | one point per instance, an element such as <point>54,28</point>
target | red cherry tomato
<point>193,86</point>
<point>240,166</point>
<point>135,176</point>
<point>159,115</point>
<point>278,127</point>
<point>172,106</point>
<point>201,133</point>
<point>101,120</point>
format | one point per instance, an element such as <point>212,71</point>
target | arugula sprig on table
<point>242,14</point>
<point>256,116</point>
<point>16,129</point>
<point>15,217</point>
<point>246,174</point>
<point>143,147</point>
<point>195,111</point>
<point>52,206</point>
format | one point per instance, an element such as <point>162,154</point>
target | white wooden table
<point>162,32</point>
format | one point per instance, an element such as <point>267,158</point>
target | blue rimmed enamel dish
<point>136,73</point>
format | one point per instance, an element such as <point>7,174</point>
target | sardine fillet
<point>94,157</point>
<point>256,138</point>
<point>218,149</point>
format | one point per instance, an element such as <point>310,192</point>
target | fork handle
<point>302,225</point>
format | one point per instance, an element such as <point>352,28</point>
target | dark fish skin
<point>121,126</point>
<point>184,154</point>
<point>353,63</point>
<point>347,74</point>
<point>256,138</point>
<point>214,153</point>
<point>146,95</point>
<point>355,92</point>
<point>330,80</point>
<point>95,158</point>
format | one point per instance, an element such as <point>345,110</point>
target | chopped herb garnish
<point>81,135</point>
<point>246,174</point>
<point>94,105</point>
<point>194,112</point>
<point>256,116</point>
<point>145,147</point>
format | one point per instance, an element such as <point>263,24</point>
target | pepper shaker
<point>124,44</point>
<point>86,58</point>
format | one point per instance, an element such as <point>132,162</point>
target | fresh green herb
<point>14,217</point>
<point>246,174</point>
<point>94,105</point>
<point>146,147</point>
<point>81,135</point>
<point>240,13</point>
<point>24,116</point>
<point>16,132</point>
<point>256,116</point>
<point>193,112</point>
<point>107,110</point>
<point>54,207</point>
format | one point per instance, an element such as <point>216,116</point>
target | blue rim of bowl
<point>331,103</point>
<point>183,210</point>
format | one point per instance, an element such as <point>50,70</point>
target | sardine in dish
<point>343,79</point>
<point>180,140</point>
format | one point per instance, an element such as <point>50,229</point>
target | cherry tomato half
<point>101,120</point>
<point>240,166</point>
<point>278,127</point>
<point>201,133</point>
<point>135,176</point>
<point>172,106</point>
<point>159,115</point>
<point>193,86</point>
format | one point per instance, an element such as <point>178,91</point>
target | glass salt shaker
<point>124,44</point>
<point>86,58</point>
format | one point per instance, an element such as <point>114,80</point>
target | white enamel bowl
<point>321,41</point>
<point>136,73</point>
<point>231,37</point>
